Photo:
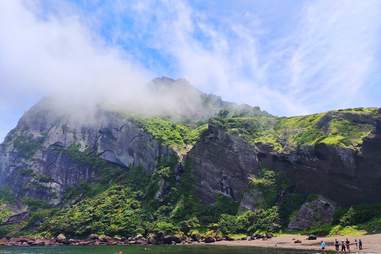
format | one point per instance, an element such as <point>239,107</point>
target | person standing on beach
<point>343,247</point>
<point>347,244</point>
<point>356,244</point>
<point>360,244</point>
<point>337,245</point>
<point>322,245</point>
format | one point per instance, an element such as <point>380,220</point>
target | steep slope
<point>188,167</point>
<point>335,154</point>
<point>48,153</point>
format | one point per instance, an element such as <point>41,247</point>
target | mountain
<point>207,162</point>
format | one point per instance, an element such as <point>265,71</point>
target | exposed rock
<point>32,157</point>
<point>170,239</point>
<point>209,240</point>
<point>195,236</point>
<point>313,213</point>
<point>93,237</point>
<point>17,218</point>
<point>152,238</point>
<point>61,238</point>
<point>222,164</point>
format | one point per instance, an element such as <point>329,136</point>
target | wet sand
<point>371,243</point>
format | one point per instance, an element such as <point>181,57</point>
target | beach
<point>371,243</point>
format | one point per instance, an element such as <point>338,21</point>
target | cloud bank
<point>61,57</point>
<point>321,56</point>
<point>324,59</point>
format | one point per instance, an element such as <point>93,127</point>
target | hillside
<point>211,168</point>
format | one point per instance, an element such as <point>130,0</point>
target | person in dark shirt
<point>360,244</point>
<point>343,249</point>
<point>347,244</point>
<point>337,245</point>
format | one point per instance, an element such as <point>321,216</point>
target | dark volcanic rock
<point>313,213</point>
<point>33,161</point>
<point>221,164</point>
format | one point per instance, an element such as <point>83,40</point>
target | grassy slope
<point>178,136</point>
<point>288,133</point>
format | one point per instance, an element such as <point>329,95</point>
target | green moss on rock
<point>176,135</point>
<point>339,128</point>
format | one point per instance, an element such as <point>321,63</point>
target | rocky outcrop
<point>222,164</point>
<point>34,160</point>
<point>313,213</point>
<point>347,176</point>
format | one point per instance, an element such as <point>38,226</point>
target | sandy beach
<point>371,243</point>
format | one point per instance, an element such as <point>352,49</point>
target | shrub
<point>250,222</point>
<point>227,224</point>
<point>360,214</point>
<point>189,225</point>
<point>164,228</point>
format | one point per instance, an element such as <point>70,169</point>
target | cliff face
<point>38,158</point>
<point>223,162</point>
<point>335,155</point>
<point>35,161</point>
<point>348,174</point>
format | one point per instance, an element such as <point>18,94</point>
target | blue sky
<point>289,57</point>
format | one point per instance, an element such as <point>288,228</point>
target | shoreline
<point>372,243</point>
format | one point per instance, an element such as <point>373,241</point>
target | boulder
<point>313,213</point>
<point>170,239</point>
<point>152,238</point>
<point>195,236</point>
<point>209,240</point>
<point>61,238</point>
<point>93,237</point>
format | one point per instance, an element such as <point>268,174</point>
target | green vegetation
<point>6,195</point>
<point>345,133</point>
<point>356,215</point>
<point>176,135</point>
<point>135,202</point>
<point>269,184</point>
<point>354,221</point>
<point>287,133</point>
<point>260,220</point>
<point>127,202</point>
<point>360,110</point>
<point>5,212</point>
<point>116,211</point>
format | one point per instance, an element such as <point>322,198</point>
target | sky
<point>288,57</point>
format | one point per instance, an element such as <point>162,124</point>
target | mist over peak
<point>175,99</point>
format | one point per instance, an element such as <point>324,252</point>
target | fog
<point>295,61</point>
<point>57,56</point>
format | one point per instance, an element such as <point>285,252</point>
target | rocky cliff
<point>39,157</point>
<point>220,149</point>
<point>342,166</point>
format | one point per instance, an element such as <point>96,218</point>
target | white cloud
<point>324,62</point>
<point>57,55</point>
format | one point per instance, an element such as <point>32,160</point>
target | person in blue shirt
<point>322,245</point>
